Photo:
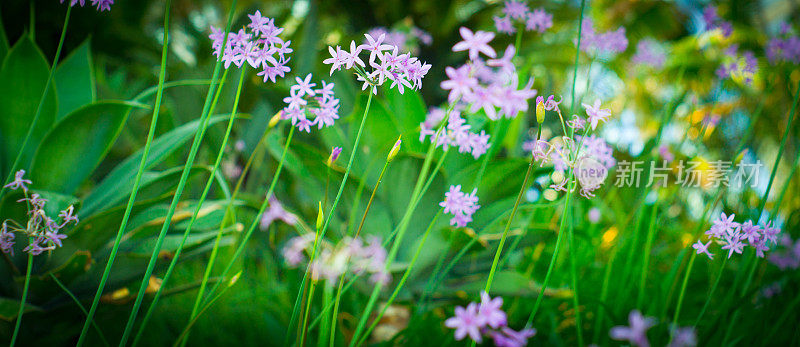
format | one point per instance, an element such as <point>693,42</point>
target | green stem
<point>333,207</point>
<point>604,295</point>
<point>188,230</point>
<point>574,278</point>
<point>790,309</point>
<point>648,246</point>
<point>229,210</point>
<point>403,279</point>
<point>711,292</point>
<point>184,334</point>
<point>138,178</point>
<point>683,291</point>
<point>83,309</point>
<point>371,198</point>
<point>38,113</point>
<point>255,222</point>
<point>508,224</point>
<point>577,56</point>
<point>24,298</point>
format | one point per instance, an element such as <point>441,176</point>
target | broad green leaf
<point>77,144</point>
<point>119,182</point>
<point>74,81</point>
<point>24,75</point>
<point>9,308</point>
<point>410,111</point>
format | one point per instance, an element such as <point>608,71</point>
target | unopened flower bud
<point>540,110</point>
<point>275,119</point>
<point>334,155</point>
<point>740,157</point>
<point>320,217</point>
<point>394,150</point>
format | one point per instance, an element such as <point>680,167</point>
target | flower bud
<point>394,150</point>
<point>334,155</point>
<point>740,157</point>
<point>540,110</point>
<point>320,217</point>
<point>275,119</point>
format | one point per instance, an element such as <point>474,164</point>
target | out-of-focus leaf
<point>3,42</point>
<point>409,109</point>
<point>9,308</point>
<point>74,81</point>
<point>23,75</point>
<point>77,144</point>
<point>118,184</point>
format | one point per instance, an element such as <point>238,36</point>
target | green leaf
<point>74,81</point>
<point>3,42</point>
<point>77,144</point>
<point>9,308</point>
<point>409,110</point>
<point>23,75</point>
<point>118,184</point>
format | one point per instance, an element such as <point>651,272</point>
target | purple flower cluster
<point>334,261</point>
<point>276,212</point>
<point>735,236</point>
<point>649,53</point>
<point>490,86</point>
<point>408,41</point>
<point>460,205</point>
<point>403,70</point>
<point>713,21</point>
<point>737,66</point>
<point>304,100</point>
<point>41,229</point>
<point>608,42</point>
<point>786,47</point>
<point>788,257</point>
<point>259,46</point>
<point>636,331</point>
<point>456,134</point>
<point>517,11</point>
<point>487,319</point>
<point>101,5</point>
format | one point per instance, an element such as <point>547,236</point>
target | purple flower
<point>733,244</point>
<point>608,42</point>
<point>515,9</point>
<point>34,248</point>
<point>703,248</point>
<point>475,43</point>
<point>594,215</point>
<point>683,337</point>
<point>596,114</point>
<point>67,215</point>
<point>504,25</point>
<point>539,20</point>
<point>260,47</point>
<point>276,212</point>
<point>304,100</point>
<point>649,53</point>
<point>460,205</point>
<point>466,322</point>
<point>18,182</point>
<point>507,337</point>
<point>102,5</point>
<point>6,239</point>
<point>334,155</point>
<point>636,332</point>
<point>375,46</point>
<point>491,312</point>
<point>460,82</point>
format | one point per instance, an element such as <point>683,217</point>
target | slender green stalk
<point>38,113</point>
<point>304,329</point>
<point>508,224</point>
<point>648,246</point>
<point>601,309</point>
<point>764,199</point>
<point>140,171</point>
<point>333,207</point>
<point>184,334</point>
<point>253,225</point>
<point>711,292</point>
<point>229,210</point>
<point>403,279</point>
<point>790,309</point>
<point>188,230</point>
<point>341,279</point>
<point>683,288</point>
<point>83,309</point>
<point>574,278</point>
<point>325,329</point>
<point>23,300</point>
<point>167,219</point>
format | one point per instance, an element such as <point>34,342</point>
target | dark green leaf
<point>74,81</point>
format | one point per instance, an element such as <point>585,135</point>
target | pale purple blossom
<point>491,312</point>
<point>19,182</point>
<point>260,47</point>
<point>649,53</point>
<point>703,248</point>
<point>475,43</point>
<point>508,337</point>
<point>504,25</point>
<point>304,100</point>
<point>276,212</point>
<point>636,331</point>
<point>683,337</point>
<point>609,42</point>
<point>466,322</point>
<point>460,205</point>
<point>539,20</point>
<point>516,9</point>
<point>596,114</point>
